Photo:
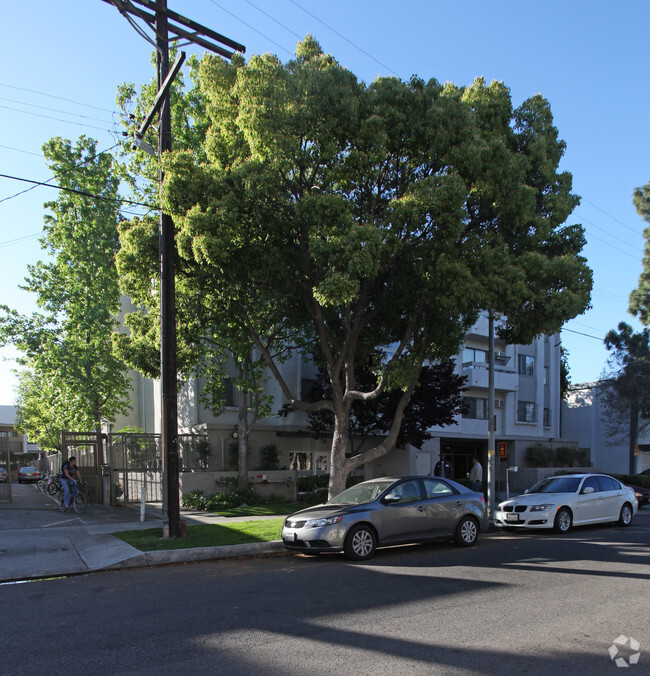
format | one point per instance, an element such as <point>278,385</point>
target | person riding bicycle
<point>70,474</point>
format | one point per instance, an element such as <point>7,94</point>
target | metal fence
<point>120,466</point>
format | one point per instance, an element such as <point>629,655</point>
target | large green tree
<point>626,391</point>
<point>640,297</point>
<point>73,380</point>
<point>363,223</point>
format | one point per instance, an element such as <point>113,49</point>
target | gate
<point>135,462</point>
<point>88,448</point>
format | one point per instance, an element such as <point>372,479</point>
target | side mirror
<point>391,498</point>
<point>587,489</point>
<point>526,491</point>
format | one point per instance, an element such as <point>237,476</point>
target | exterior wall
<point>584,419</point>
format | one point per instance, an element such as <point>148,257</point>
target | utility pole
<point>162,22</point>
<point>491,464</point>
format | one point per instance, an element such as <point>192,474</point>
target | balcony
<point>478,377</point>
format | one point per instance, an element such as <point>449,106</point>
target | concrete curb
<point>170,556</point>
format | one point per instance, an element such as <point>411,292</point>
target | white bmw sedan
<point>560,502</point>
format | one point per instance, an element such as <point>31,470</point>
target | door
<point>588,506</point>
<point>444,507</point>
<point>406,520</point>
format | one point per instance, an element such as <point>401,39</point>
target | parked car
<point>28,475</point>
<point>3,476</point>
<point>642,494</point>
<point>560,502</point>
<point>388,511</point>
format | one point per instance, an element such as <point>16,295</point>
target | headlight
<point>541,508</point>
<point>319,523</point>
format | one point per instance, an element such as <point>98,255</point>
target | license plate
<point>289,537</point>
<point>512,517</point>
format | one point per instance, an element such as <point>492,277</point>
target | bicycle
<point>52,485</point>
<point>79,499</point>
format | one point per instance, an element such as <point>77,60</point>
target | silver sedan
<point>388,511</point>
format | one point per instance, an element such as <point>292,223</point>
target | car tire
<point>563,521</point>
<point>360,543</point>
<point>466,532</point>
<point>625,517</point>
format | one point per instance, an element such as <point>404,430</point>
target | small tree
<point>627,385</point>
<point>74,380</point>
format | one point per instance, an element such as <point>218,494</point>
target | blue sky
<point>64,61</point>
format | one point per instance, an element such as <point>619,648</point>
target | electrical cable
<point>223,9</point>
<point>52,96</point>
<point>370,56</point>
<point>120,200</point>
<point>49,117</point>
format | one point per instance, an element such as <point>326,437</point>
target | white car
<point>560,502</point>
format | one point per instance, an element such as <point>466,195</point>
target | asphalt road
<point>514,604</point>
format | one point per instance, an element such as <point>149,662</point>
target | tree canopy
<point>362,223</point>
<point>72,379</point>
<point>627,385</point>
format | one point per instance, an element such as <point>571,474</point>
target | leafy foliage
<point>73,379</point>
<point>436,401</point>
<point>361,223</point>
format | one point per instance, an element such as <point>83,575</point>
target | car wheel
<point>466,532</point>
<point>563,521</point>
<point>625,518</point>
<point>360,543</point>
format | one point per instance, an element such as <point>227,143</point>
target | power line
<point>52,96</point>
<point>363,51</point>
<point>121,200</point>
<point>55,110</point>
<point>625,225</point>
<point>19,240</point>
<point>582,334</point>
<point>234,16</point>
<point>49,117</point>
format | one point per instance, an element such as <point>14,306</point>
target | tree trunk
<point>242,441</point>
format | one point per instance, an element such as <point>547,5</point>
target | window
<point>526,411</point>
<point>526,365</point>
<point>436,489</point>
<point>591,482</point>
<point>300,461</point>
<point>547,417</point>
<point>606,483</point>
<point>477,408</point>
<point>408,491</point>
<point>471,354</point>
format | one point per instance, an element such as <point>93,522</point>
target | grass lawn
<point>262,510</point>
<point>210,535</point>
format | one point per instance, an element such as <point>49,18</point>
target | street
<point>513,604</point>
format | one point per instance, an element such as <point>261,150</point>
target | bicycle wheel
<point>80,502</point>
<point>53,487</point>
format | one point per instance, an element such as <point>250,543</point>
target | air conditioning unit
<point>499,403</point>
<point>502,357</point>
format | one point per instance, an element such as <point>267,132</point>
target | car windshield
<point>556,485</point>
<point>361,493</point>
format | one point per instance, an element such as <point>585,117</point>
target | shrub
<point>269,459</point>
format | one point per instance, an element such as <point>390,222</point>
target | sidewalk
<point>37,540</point>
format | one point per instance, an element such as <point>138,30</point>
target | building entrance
<point>460,453</point>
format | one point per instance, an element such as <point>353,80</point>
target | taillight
<point>483,499</point>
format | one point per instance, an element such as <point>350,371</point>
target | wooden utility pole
<point>164,21</point>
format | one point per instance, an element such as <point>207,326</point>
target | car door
<point>612,498</point>
<point>587,506</point>
<point>406,520</point>
<point>444,507</point>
